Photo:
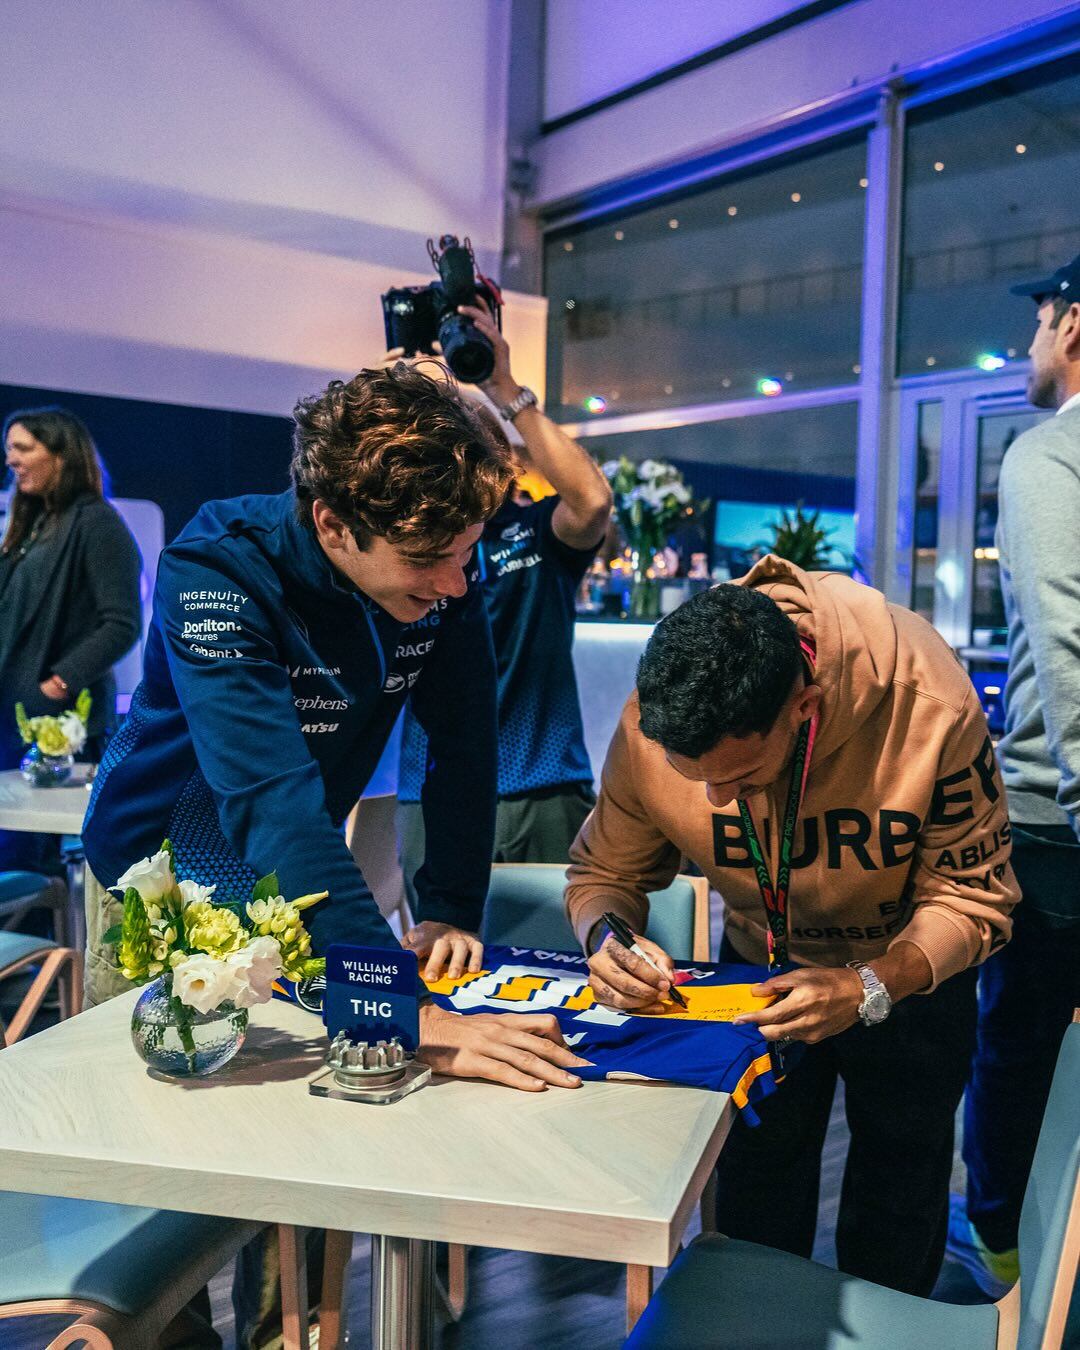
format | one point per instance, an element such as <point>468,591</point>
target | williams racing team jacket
<point>270,687</point>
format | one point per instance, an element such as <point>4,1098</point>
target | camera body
<point>418,316</point>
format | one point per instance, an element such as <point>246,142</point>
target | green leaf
<point>26,730</point>
<point>112,935</point>
<point>266,888</point>
<point>166,847</point>
<point>83,704</point>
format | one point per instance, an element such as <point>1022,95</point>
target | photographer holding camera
<point>533,556</point>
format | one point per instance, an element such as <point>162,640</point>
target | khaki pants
<point>101,977</point>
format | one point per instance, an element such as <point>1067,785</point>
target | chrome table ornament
<point>376,1072</point>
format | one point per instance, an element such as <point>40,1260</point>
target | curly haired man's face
<point>406,587</point>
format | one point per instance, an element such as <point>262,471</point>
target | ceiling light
<point>673,224</point>
<point>619,234</point>
<point>856,370</point>
<point>1021,149</point>
<point>990,361</point>
<point>568,246</point>
<point>733,210</point>
<point>931,360</point>
<point>938,166</point>
<point>669,389</point>
<point>594,404</point>
<point>769,388</point>
<point>864,182</point>
<point>796,196</point>
<point>726,382</point>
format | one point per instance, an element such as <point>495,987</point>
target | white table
<point>606,1172</point>
<point>54,810</point>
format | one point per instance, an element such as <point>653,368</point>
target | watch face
<point>876,1006</point>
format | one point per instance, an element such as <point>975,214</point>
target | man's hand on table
<point>446,948</point>
<point>523,1051</point>
<point>621,979</point>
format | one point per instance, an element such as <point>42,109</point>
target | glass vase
<point>644,603</point>
<point>43,770</point>
<point>180,1042</point>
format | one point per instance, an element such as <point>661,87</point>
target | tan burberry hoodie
<point>903,832</point>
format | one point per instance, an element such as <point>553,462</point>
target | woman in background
<point>69,592</point>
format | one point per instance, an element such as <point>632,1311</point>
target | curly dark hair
<point>722,664</point>
<point>399,454</point>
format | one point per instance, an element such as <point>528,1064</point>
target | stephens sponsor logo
<point>209,630</point>
<point>318,704</point>
<point>226,601</point>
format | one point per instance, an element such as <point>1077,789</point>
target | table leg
<point>76,913</point>
<point>639,1286</point>
<point>402,1293</point>
<point>294,1290</point>
<point>334,1300</point>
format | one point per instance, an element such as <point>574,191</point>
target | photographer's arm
<point>581,516</point>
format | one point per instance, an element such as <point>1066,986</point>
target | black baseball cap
<point>1065,281</point>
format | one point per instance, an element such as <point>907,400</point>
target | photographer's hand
<point>502,387</point>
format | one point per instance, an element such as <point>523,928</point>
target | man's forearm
<point>570,469</point>
<point>903,970</point>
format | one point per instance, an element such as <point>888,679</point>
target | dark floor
<point>542,1302</point>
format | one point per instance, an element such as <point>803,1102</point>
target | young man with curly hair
<point>287,632</point>
<point>822,756</point>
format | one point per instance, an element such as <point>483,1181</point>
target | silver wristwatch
<point>876,1004</point>
<point>524,398</point>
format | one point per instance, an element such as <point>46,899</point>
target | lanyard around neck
<point>775,897</point>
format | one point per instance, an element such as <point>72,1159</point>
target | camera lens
<point>465,350</point>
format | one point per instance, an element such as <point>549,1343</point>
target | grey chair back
<point>525,909</point>
<point>1051,1199</point>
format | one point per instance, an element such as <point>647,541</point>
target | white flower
<point>255,968</point>
<point>152,877</point>
<point>262,911</point>
<point>203,983</point>
<point>191,892</point>
<point>652,468</point>
<point>74,728</point>
<point>680,492</point>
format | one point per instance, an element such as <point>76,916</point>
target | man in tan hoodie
<point>821,755</point>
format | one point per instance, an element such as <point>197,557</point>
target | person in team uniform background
<point>533,556</point>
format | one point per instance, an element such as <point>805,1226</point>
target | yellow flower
<point>213,930</point>
<point>50,736</point>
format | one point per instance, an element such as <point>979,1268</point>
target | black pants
<point>1027,993</point>
<point>903,1080</point>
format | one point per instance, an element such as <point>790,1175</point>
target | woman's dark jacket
<point>74,613</point>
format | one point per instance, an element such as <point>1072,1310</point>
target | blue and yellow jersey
<point>698,1046</point>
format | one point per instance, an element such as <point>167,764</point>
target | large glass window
<point>991,196</point>
<point>925,533</point>
<point>702,298</point>
<point>995,433</point>
<point>751,469</point>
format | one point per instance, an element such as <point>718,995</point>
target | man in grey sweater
<point>1028,989</point>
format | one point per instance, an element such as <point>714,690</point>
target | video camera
<point>417,316</point>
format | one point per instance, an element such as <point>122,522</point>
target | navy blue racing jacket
<point>270,686</point>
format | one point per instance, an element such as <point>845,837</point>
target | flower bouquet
<point>206,962</point>
<point>54,742</point>
<point>650,497</point>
